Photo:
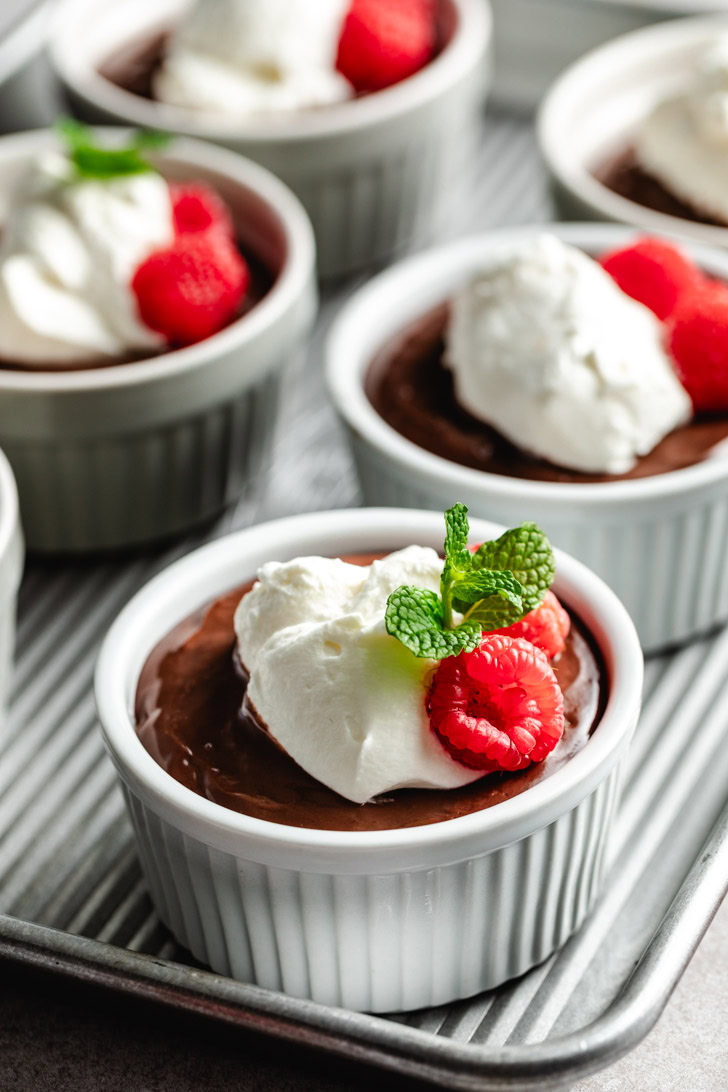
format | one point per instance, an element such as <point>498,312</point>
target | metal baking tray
<point>71,894</point>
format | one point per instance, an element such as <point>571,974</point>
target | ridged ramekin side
<point>358,940</point>
<point>131,487</point>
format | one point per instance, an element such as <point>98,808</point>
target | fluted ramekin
<point>379,920</point>
<point>370,172</point>
<point>660,542</point>
<point>11,569</point>
<point>117,456</point>
<point>592,110</point>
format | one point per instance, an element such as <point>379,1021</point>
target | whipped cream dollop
<point>248,57</point>
<point>68,252</point>
<point>343,698</point>
<point>683,141</point>
<point>547,349</point>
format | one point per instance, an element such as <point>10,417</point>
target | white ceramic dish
<point>379,920</point>
<point>369,172</point>
<point>660,542</point>
<point>593,108</point>
<point>116,456</point>
<point>11,569</point>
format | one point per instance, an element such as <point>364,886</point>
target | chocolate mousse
<point>624,176</point>
<point>411,388</point>
<point>188,714</point>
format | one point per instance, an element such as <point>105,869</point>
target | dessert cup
<point>11,568</point>
<point>591,111</point>
<point>379,920</point>
<point>660,541</point>
<point>124,454</point>
<point>369,171</point>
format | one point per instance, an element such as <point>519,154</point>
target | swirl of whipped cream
<point>547,349</point>
<point>247,57</point>
<point>683,141</point>
<point>68,252</point>
<point>344,699</point>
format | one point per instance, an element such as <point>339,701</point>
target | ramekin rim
<point>473,31</point>
<point>556,793</point>
<point>578,178</point>
<point>345,372</point>
<point>297,273</point>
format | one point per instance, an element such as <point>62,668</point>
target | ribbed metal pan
<point>71,894</point>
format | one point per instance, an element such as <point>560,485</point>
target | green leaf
<point>95,162</point>
<point>414,616</point>
<point>526,553</point>
<point>151,138</point>
<point>456,537</point>
<point>484,584</point>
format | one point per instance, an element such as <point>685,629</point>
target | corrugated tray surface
<point>71,893</point>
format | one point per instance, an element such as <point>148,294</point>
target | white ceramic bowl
<point>594,107</point>
<point>369,172</point>
<point>660,542</point>
<point>11,569</point>
<point>379,920</point>
<point>121,455</point>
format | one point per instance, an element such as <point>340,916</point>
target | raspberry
<point>654,272</point>
<point>196,207</point>
<point>697,337</point>
<point>383,41</point>
<point>546,627</point>
<point>499,707</point>
<point>191,289</point>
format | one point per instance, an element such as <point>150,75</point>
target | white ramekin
<point>369,172</point>
<point>117,456</point>
<point>381,920</point>
<point>11,570</point>
<point>660,542</point>
<point>594,107</point>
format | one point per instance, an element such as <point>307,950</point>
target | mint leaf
<point>414,616</point>
<point>95,162</point>
<point>456,537</point>
<point>526,553</point>
<point>484,584</point>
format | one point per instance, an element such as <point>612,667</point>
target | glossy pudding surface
<point>192,718</point>
<point>410,387</point>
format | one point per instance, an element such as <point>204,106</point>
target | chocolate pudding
<point>192,719</point>
<point>623,175</point>
<point>410,387</point>
<point>133,65</point>
<point>261,281</point>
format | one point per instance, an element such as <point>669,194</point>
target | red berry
<point>196,207</point>
<point>654,272</point>
<point>499,707</point>
<point>384,41</point>
<point>697,337</point>
<point>546,627</point>
<point>191,289</point>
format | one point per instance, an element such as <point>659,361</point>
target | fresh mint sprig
<point>492,588</point>
<point>92,161</point>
